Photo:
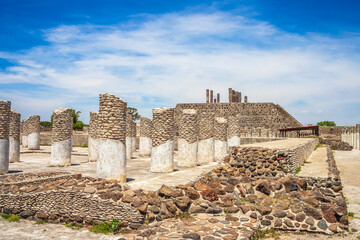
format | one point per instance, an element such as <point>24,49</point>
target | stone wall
<point>33,124</point>
<point>5,111</point>
<point>93,124</point>
<point>112,118</point>
<point>233,127</point>
<point>163,126</point>
<point>15,125</point>
<point>331,132</point>
<point>251,140</point>
<point>62,124</point>
<point>267,116</point>
<point>78,139</point>
<point>206,125</point>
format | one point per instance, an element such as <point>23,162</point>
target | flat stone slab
<point>138,168</point>
<point>315,165</point>
<point>280,144</point>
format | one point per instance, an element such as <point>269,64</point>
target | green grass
<point>106,227</point>
<point>41,222</point>
<point>73,225</point>
<point>351,214</point>
<point>84,145</point>
<point>10,218</point>
<point>298,169</point>
<point>266,233</point>
<point>183,215</point>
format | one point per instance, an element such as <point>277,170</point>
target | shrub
<point>106,227</point>
<point>10,218</point>
<point>78,125</point>
<point>298,170</point>
<point>326,123</point>
<point>84,145</point>
<point>46,124</point>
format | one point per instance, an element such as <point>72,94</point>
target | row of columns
<point>210,97</point>
<point>351,135</point>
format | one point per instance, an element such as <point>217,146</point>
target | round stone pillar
<point>220,136</point>
<point>145,137</point>
<point>93,137</point>
<point>233,131</point>
<point>33,128</point>
<point>187,142</point>
<point>61,137</point>
<point>5,112</point>
<point>24,138</point>
<point>206,138</point>
<point>162,154</point>
<point>111,163</point>
<point>133,136</point>
<point>14,137</point>
<point>129,131</point>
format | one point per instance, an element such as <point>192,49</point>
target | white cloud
<point>175,57</point>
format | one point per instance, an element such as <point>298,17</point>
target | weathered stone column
<point>220,136</point>
<point>112,138</point>
<point>206,138</point>
<point>24,134</point>
<point>14,137</point>
<point>33,126</point>
<point>62,135</point>
<point>187,142</point>
<point>233,131</point>
<point>5,112</point>
<point>162,136</point>
<point>245,99</point>
<point>145,137</point>
<point>133,136</point>
<point>93,137</point>
<point>358,136</point>
<point>129,136</point>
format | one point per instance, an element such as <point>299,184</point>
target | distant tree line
<point>326,123</point>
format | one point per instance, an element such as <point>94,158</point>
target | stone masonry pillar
<point>128,136</point>
<point>25,134</point>
<point>145,137</point>
<point>111,163</point>
<point>220,136</point>
<point>93,137</point>
<point>14,137</point>
<point>33,126</point>
<point>187,142</point>
<point>133,136</point>
<point>206,138</point>
<point>62,137</point>
<point>162,136</point>
<point>5,112</point>
<point>233,131</point>
<point>358,136</point>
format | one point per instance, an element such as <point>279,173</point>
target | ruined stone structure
<point>206,138</point>
<point>145,144</point>
<point>187,141</point>
<point>133,136</point>
<point>220,138</point>
<point>351,135</point>
<point>25,133</point>
<point>14,137</point>
<point>129,126</point>
<point>5,112</point>
<point>93,137</point>
<point>33,130</point>
<point>233,131</point>
<point>256,119</point>
<point>112,138</point>
<point>162,136</point>
<point>61,134</point>
<point>234,96</point>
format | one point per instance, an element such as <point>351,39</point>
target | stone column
<point>220,136</point>
<point>233,131</point>
<point>5,112</point>
<point>187,142</point>
<point>218,98</point>
<point>24,134</point>
<point>61,137</point>
<point>245,99</point>
<point>211,96</point>
<point>14,137</point>
<point>162,136</point>
<point>206,138</point>
<point>145,137</point>
<point>207,95</point>
<point>133,136</point>
<point>230,95</point>
<point>129,136</point>
<point>112,138</point>
<point>33,126</point>
<point>93,137</point>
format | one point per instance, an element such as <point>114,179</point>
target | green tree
<point>75,115</point>
<point>134,113</point>
<point>326,123</point>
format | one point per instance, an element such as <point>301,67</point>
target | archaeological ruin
<point>213,170</point>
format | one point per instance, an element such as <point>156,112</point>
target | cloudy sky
<point>303,55</point>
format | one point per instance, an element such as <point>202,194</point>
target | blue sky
<point>303,55</point>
